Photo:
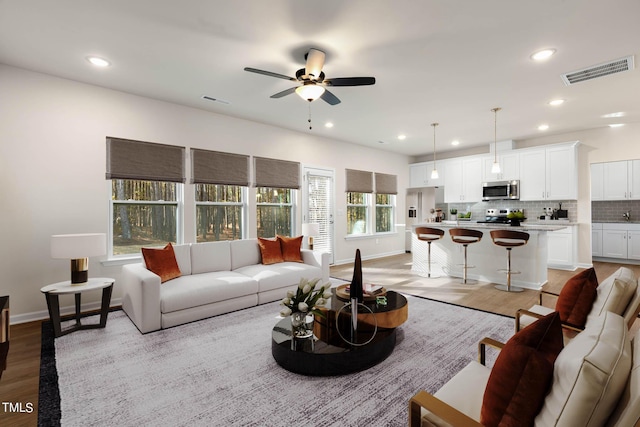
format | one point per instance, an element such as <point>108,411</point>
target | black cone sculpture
<point>355,289</point>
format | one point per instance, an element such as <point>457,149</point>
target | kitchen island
<point>448,257</point>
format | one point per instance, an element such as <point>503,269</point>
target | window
<point>384,212</point>
<point>219,212</point>
<point>274,211</point>
<point>143,213</point>
<point>357,213</point>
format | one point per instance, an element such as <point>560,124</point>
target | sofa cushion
<point>291,248</point>
<point>589,375</point>
<point>464,392</point>
<point>522,374</point>
<point>183,257</point>
<point>204,288</point>
<point>210,256</point>
<point>281,275</point>
<point>270,251</point>
<point>576,298</point>
<point>627,412</point>
<point>615,292</point>
<point>162,262</point>
<point>244,252</point>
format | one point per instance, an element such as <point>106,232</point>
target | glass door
<point>319,202</point>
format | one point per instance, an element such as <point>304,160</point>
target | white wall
<point>52,167</point>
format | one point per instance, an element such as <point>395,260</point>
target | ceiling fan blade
<point>284,93</point>
<point>330,98</point>
<point>350,81</point>
<point>269,73</point>
<point>315,62</point>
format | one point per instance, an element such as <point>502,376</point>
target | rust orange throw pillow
<point>522,374</point>
<point>270,251</point>
<point>576,298</point>
<point>291,248</point>
<point>162,262</point>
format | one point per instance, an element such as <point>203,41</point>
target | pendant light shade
<point>495,168</point>
<point>434,172</point>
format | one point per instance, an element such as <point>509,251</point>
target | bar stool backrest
<point>429,234</point>
<point>465,235</point>
<point>509,238</point>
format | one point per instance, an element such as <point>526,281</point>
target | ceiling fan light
<point>310,92</point>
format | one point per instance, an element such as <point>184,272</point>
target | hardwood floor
<point>19,383</point>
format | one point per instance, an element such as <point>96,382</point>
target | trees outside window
<point>274,211</point>
<point>357,213</point>
<point>384,212</point>
<point>144,213</point>
<point>219,212</point>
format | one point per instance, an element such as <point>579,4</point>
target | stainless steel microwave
<point>501,190</point>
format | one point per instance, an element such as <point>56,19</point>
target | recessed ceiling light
<point>328,125</point>
<point>543,54</point>
<point>543,127</point>
<point>616,125</point>
<point>556,102</point>
<point>98,62</point>
<point>608,116</point>
<point>455,142</point>
<point>402,137</point>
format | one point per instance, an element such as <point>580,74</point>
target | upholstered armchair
<point>593,381</point>
<point>582,299</point>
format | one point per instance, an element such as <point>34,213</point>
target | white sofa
<point>217,278</point>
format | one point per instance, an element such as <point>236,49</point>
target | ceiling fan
<point>313,81</point>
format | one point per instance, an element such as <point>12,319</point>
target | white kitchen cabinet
<point>597,182</point>
<point>561,248</point>
<point>621,240</point>
<point>615,181</point>
<point>420,175</point>
<point>633,179</point>
<point>509,167</point>
<point>549,173</point>
<point>463,177</point>
<point>596,239</point>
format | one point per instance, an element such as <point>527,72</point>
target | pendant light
<point>496,166</point>
<point>434,172</point>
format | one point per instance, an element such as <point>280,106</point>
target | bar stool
<point>465,236</point>
<point>428,234</point>
<point>509,239</point>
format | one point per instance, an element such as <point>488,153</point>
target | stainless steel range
<point>498,215</point>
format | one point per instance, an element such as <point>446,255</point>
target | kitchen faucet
<point>627,216</point>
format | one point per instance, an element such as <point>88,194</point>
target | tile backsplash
<point>532,210</point>
<point>612,210</point>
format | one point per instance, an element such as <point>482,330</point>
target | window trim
<point>179,202</point>
<point>244,207</point>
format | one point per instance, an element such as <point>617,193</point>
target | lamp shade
<point>75,246</point>
<point>310,92</point>
<point>310,229</point>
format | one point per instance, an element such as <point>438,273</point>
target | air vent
<point>218,100</point>
<point>600,70</point>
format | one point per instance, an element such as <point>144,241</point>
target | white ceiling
<point>446,61</point>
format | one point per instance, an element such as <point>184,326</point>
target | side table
<point>53,291</point>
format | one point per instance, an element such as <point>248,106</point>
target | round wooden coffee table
<point>326,352</point>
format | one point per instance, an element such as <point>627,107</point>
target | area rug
<point>220,371</point>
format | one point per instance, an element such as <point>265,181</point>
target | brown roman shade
<point>359,181</point>
<point>276,173</point>
<point>215,167</point>
<point>386,184</point>
<point>148,161</point>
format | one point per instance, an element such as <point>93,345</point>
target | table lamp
<point>78,248</point>
<point>311,230</point>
